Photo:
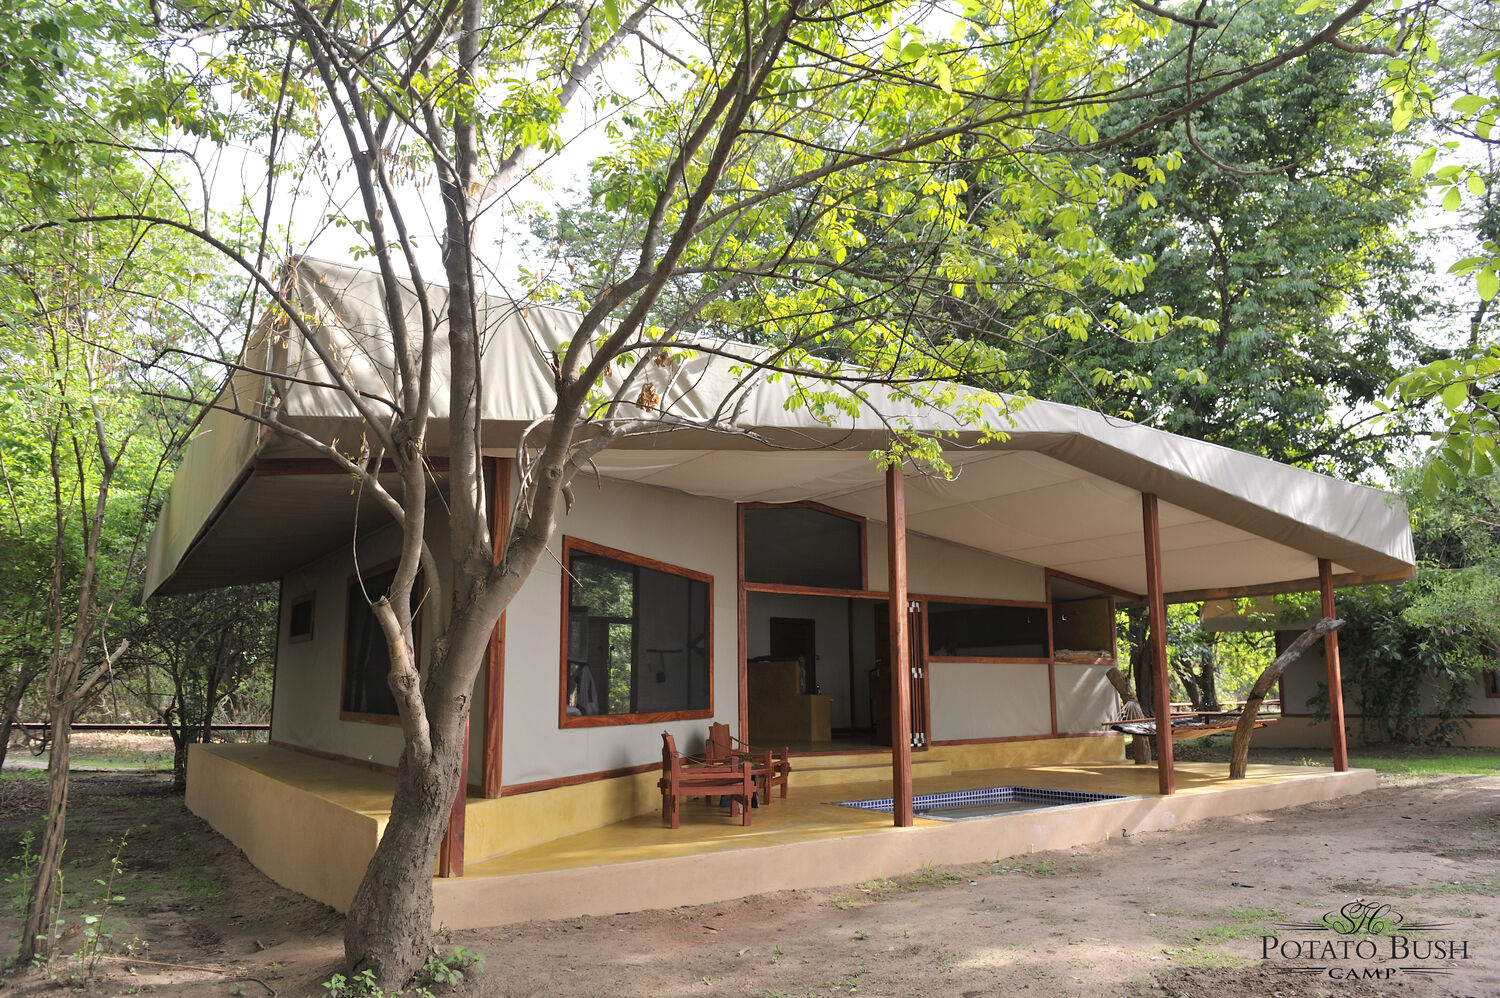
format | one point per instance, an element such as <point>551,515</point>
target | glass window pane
<point>978,630</point>
<point>637,639</point>
<point>801,546</point>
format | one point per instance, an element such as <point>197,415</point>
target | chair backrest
<point>719,743</point>
<point>668,752</point>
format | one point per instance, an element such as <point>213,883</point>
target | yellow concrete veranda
<point>312,823</point>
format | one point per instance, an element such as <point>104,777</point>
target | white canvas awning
<point>1062,490</point>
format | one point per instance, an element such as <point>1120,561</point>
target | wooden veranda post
<point>895,508</point>
<point>1156,603</point>
<point>1336,731</point>
<point>451,852</point>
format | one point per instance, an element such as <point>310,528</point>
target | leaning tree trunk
<point>1239,750</point>
<point>37,936</point>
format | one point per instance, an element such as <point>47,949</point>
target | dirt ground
<point>1182,912</point>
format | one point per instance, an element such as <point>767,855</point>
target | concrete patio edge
<point>477,902</point>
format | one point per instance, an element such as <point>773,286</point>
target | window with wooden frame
<point>1492,683</point>
<point>972,630</point>
<point>299,619</point>
<point>366,692</point>
<point>803,544</point>
<point>637,639</point>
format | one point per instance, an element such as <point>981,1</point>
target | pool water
<point>961,805</point>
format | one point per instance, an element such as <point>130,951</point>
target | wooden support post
<point>895,508</point>
<point>1166,777</point>
<point>451,855</point>
<point>1338,736</point>
<point>494,689</point>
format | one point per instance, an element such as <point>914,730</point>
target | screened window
<point>803,546</point>
<point>367,657</point>
<point>637,641</point>
<point>983,630</point>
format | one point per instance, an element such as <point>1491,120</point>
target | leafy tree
<point>800,174</point>
<point>196,653</point>
<point>1459,389</point>
<point>84,452</point>
<point>1415,650</point>
<point>1289,231</point>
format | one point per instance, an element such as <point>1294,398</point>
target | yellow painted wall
<point>493,827</point>
<point>1033,752</point>
<point>288,830</point>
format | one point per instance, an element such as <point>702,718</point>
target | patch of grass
<point>930,876</point>
<point>1369,888</point>
<point>1447,764</point>
<point>1038,869</point>
<point>39,775</point>
<point>195,885</point>
<point>1205,958</point>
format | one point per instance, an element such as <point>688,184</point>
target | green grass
<point>1455,764</point>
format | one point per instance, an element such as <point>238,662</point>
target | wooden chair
<point>683,776</point>
<point>770,768</point>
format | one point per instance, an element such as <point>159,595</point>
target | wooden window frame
<point>311,599</point>
<point>984,601</point>
<point>1492,683</point>
<point>777,587</point>
<point>572,544</point>
<point>360,717</point>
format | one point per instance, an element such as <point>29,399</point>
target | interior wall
<point>830,616</point>
<point>988,700</point>
<point>681,530</point>
<point>864,661</point>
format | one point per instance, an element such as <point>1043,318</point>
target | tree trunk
<point>1141,749</point>
<point>37,935</point>
<point>1239,750</point>
<point>1208,678</point>
<point>389,928</point>
<point>12,701</point>
<point>1140,746</point>
<point>13,698</point>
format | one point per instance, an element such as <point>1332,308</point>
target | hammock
<point>1186,727</point>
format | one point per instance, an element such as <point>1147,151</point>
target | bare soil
<point>1182,912</point>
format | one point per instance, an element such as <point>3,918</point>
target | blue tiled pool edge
<point>1042,797</point>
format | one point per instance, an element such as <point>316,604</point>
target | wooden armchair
<point>770,768</point>
<point>683,776</point>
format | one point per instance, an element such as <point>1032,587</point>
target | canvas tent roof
<point>1061,491</point>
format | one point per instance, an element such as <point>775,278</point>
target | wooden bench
<point>684,776</point>
<point>770,768</point>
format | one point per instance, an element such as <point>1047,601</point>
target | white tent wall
<point>941,568</point>
<point>309,674</point>
<point>972,700</point>
<point>680,530</point>
<point>1085,700</point>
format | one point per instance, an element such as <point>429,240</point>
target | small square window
<point>299,626</point>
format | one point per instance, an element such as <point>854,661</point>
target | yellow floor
<point>805,814</point>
